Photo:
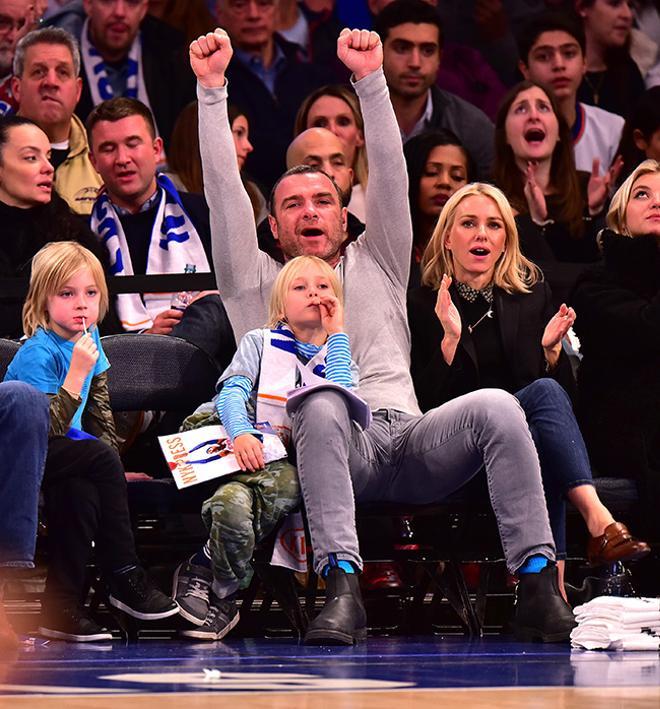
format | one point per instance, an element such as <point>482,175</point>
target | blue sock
<point>334,563</point>
<point>202,557</point>
<point>534,564</point>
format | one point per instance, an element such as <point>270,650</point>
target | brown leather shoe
<point>615,544</point>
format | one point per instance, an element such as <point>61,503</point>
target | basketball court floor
<point>382,673</point>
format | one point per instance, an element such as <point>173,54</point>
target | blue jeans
<point>559,443</point>
<point>24,423</point>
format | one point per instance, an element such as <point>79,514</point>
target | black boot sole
<point>534,635</point>
<point>325,636</point>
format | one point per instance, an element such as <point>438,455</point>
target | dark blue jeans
<point>24,422</point>
<point>559,443</point>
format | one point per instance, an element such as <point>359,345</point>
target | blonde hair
<point>52,267</point>
<point>360,164</point>
<point>616,216</point>
<point>292,270</point>
<point>513,272</point>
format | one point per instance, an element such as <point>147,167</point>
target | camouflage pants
<point>244,510</point>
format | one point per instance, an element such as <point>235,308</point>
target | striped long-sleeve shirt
<point>238,389</point>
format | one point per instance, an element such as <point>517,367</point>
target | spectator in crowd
<point>431,460</point>
<point>192,17</point>
<point>84,485</point>
<point>16,19</point>
<point>558,208</point>
<point>47,87</point>
<point>313,30</point>
<point>185,163</point>
<point>23,442</point>
<point>126,52</point>
<point>484,318</point>
<point>612,80</point>
<point>336,108</point>
<point>305,329</point>
<point>31,212</point>
<point>140,212</point>
<point>464,71</point>
<point>319,148</point>
<point>438,165</point>
<point>552,48</point>
<point>412,45</point>
<point>268,79</point>
<point>619,329</point>
<point>641,134</point>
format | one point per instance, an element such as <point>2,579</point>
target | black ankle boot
<point>343,619</point>
<point>540,612</point>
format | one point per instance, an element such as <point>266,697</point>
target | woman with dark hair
<point>336,108</point>
<point>557,206</point>
<point>31,212</point>
<point>613,80</point>
<point>484,319</point>
<point>185,163</point>
<point>438,165</point>
<point>640,139</point>
<point>619,330</point>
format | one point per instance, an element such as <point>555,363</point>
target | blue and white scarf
<point>97,75</point>
<point>278,375</point>
<point>174,242</point>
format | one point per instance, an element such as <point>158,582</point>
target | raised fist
<point>209,57</point>
<point>360,50</point>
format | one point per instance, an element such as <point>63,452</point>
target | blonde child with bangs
<point>305,330</point>
<point>84,484</point>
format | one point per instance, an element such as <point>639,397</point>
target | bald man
<point>320,148</point>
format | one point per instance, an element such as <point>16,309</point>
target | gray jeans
<point>417,460</point>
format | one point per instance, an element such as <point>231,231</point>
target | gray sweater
<point>374,268</point>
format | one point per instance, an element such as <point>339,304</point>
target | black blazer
<point>521,317</point>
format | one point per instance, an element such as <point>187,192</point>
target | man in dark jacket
<point>126,52</point>
<point>268,80</point>
<point>411,33</point>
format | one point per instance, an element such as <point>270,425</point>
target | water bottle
<point>182,299</point>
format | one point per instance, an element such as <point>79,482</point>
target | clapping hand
<point>209,57</point>
<point>555,331</point>
<point>450,319</point>
<point>361,51</point>
<point>538,209</point>
<point>598,189</point>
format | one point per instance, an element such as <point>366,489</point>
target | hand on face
<point>360,50</point>
<point>209,57</point>
<point>332,314</point>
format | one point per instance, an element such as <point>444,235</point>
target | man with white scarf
<point>126,52</point>
<point>149,227</point>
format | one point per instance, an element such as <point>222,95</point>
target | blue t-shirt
<point>44,360</point>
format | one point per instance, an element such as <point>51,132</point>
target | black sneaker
<point>221,618</point>
<point>133,593</point>
<point>74,625</point>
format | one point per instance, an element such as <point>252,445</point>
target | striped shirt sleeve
<point>231,406</point>
<point>338,360</point>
